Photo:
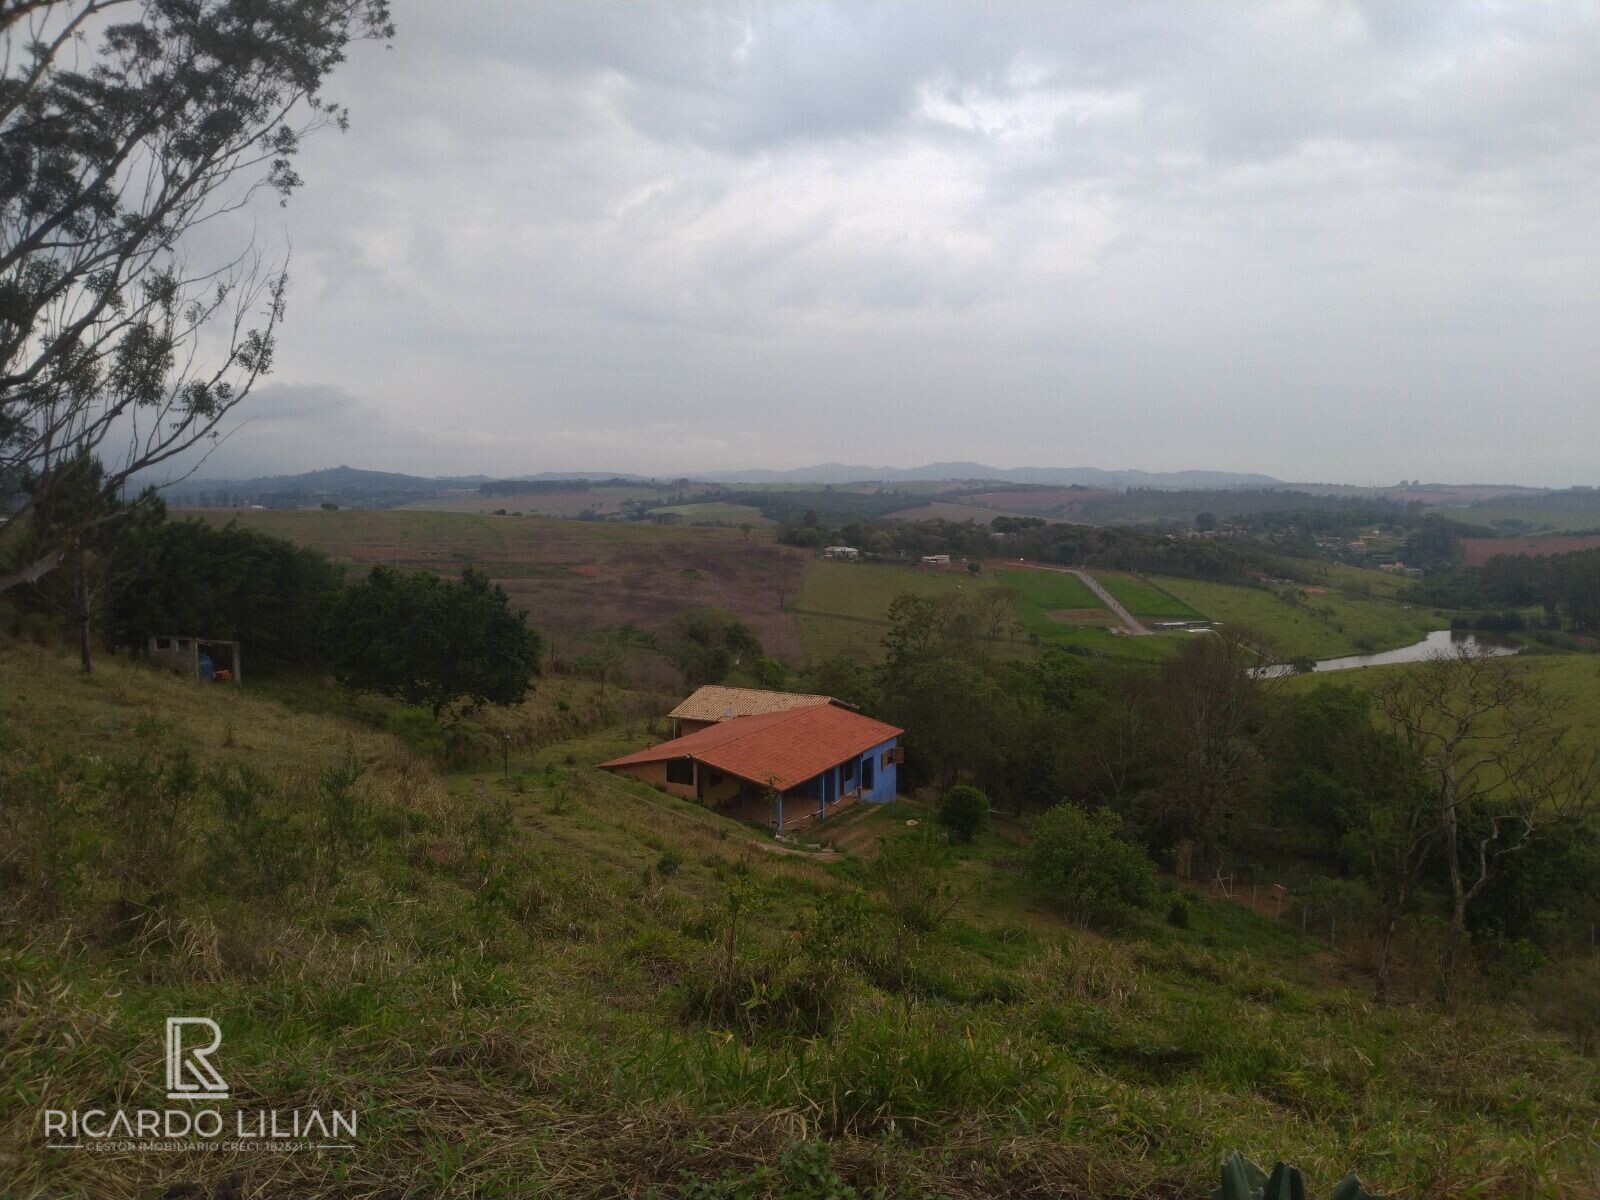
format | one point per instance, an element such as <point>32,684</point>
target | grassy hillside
<point>1323,625</point>
<point>568,984</point>
<point>571,575</point>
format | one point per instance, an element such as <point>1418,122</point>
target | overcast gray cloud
<point>1322,240</point>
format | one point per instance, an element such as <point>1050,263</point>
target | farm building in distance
<point>783,769</point>
<point>936,560</point>
<point>847,553</point>
<point>714,703</point>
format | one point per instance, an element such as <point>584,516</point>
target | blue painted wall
<point>883,777</point>
<point>832,784</point>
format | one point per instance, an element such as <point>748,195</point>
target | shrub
<point>913,870</point>
<point>418,730</point>
<point>1178,910</point>
<point>964,811</point>
<point>1089,869</point>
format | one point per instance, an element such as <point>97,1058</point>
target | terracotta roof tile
<point>781,750</point>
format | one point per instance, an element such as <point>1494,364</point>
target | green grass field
<point>1571,680</point>
<point>1360,581</point>
<point>1323,625</point>
<point>1042,593</point>
<point>1143,598</point>
<point>1532,518</point>
<point>843,607</point>
<point>510,980</point>
<point>865,590</point>
<point>715,511</point>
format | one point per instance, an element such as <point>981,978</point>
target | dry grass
<point>572,576</point>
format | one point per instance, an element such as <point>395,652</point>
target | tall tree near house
<point>124,125</point>
<point>1207,716</point>
<point>1501,766</point>
<point>433,642</point>
<point>1390,822</point>
<point>99,539</point>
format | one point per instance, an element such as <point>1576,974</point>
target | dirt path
<point>1127,618</point>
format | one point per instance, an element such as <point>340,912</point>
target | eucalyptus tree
<point>125,127</point>
<point>1503,768</point>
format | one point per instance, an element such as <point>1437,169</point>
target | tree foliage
<point>1502,769</point>
<point>964,811</point>
<point>432,642</point>
<point>1087,867</point>
<point>97,537</point>
<point>190,578</point>
<point>182,111</point>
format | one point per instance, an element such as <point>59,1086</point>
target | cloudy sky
<point>1328,241</point>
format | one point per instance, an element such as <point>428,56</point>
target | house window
<point>847,771</point>
<point>888,757</point>
<point>714,778</point>
<point>866,774</point>
<point>680,770</point>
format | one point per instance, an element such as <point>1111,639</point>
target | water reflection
<point>1440,641</point>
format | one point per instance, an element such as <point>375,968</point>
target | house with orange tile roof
<point>783,769</point>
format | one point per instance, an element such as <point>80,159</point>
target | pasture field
<point>1528,516</point>
<point>601,501</point>
<point>715,511</point>
<point>1058,609</point>
<point>842,608</point>
<point>1481,550</point>
<point>1323,625</point>
<point>575,576</point>
<point>1143,598</point>
<point>1572,680</point>
<point>865,590</point>
<point>1039,593</point>
<point>552,1031</point>
<point>946,510</point>
<point>1360,581</point>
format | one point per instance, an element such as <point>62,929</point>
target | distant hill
<point>355,487</point>
<point>352,487</point>
<point>1058,476</point>
<point>339,485</point>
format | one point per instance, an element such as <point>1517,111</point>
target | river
<point>1440,641</point>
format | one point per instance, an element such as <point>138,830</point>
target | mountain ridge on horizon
<point>344,478</point>
<point>822,473</point>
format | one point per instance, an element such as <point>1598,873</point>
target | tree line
<point>131,574</point>
<point>1109,548</point>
